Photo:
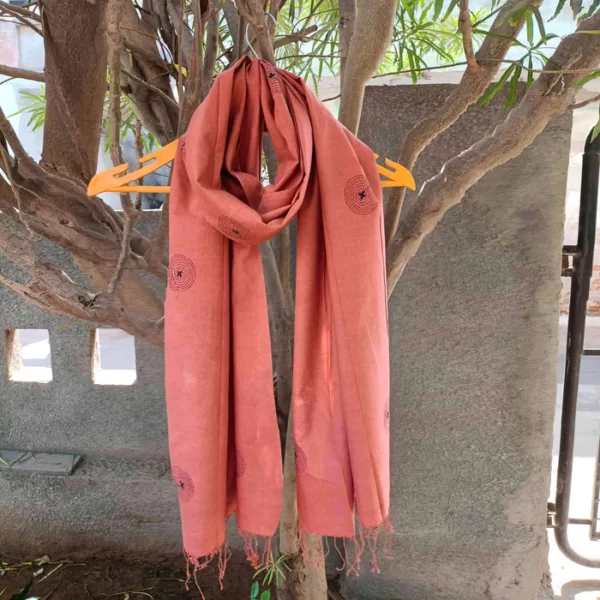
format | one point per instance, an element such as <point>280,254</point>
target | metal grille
<point>595,526</point>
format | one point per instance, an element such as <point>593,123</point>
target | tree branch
<point>22,73</point>
<point>130,212</point>
<point>233,23</point>
<point>143,59</point>
<point>210,58</point>
<point>18,10</point>
<point>185,38</point>
<point>372,35</point>
<point>299,36</point>
<point>11,137</point>
<point>59,210</point>
<point>506,27</point>
<point>585,102</point>
<point>253,12</point>
<point>466,30</point>
<point>156,90</point>
<point>54,291</point>
<point>21,15</point>
<point>347,20</point>
<point>550,95</point>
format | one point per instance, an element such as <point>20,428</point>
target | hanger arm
<point>114,179</point>
<point>108,180</point>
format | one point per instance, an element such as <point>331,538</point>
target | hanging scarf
<point>223,434</point>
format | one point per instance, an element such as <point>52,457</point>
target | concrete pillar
<point>474,335</point>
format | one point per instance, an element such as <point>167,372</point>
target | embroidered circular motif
<point>234,229</point>
<point>240,464</point>
<point>274,83</point>
<point>182,273</point>
<point>300,459</point>
<point>359,196</point>
<point>184,483</point>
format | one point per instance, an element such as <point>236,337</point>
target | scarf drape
<point>223,435</point>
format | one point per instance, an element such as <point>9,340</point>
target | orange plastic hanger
<point>115,180</point>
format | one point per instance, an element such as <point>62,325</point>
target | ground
<point>99,579</point>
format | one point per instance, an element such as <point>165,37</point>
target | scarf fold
<point>223,434</point>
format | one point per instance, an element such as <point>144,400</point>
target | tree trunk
<point>370,39</point>
<point>76,54</point>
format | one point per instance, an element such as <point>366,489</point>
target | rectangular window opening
<point>113,357</point>
<point>28,355</point>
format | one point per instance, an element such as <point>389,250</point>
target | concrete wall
<point>474,329</point>
<point>474,332</point>
<point>121,500</point>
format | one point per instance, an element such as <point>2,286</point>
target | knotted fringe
<point>352,548</point>
<point>366,539</point>
<point>256,558</point>
<point>195,564</point>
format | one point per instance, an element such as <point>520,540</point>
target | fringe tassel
<point>366,539</point>
<point>200,563</point>
<point>258,559</point>
<point>342,556</point>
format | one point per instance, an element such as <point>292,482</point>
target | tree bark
<point>347,20</point>
<point>75,53</point>
<point>143,59</point>
<point>372,35</point>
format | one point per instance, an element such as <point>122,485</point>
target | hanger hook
<point>248,39</point>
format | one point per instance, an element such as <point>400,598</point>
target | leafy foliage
<point>36,110</point>
<point>426,36</point>
<point>273,572</point>
<point>128,122</point>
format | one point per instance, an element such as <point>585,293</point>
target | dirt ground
<point>135,580</point>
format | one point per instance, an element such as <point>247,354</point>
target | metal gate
<point>577,264</point>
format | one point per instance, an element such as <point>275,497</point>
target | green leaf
<point>266,595</point>
<point>22,595</point>
<point>451,7</point>
<point>530,71</point>
<point>413,66</point>
<point>254,591</point>
<point>514,87</point>
<point>496,87</point>
<point>530,28</point>
<point>596,130</point>
<point>540,23</point>
<point>559,7</point>
<point>587,78</point>
<point>591,10</point>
